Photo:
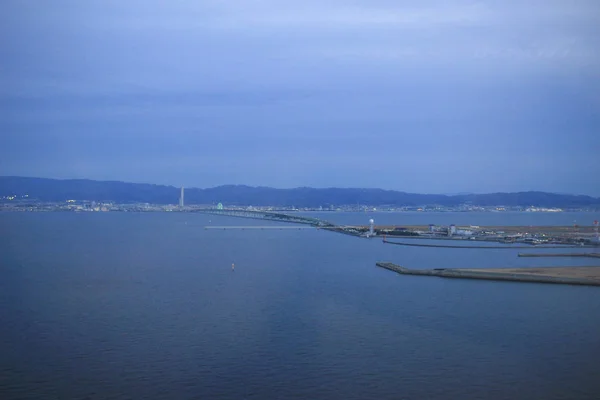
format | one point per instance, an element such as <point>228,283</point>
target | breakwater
<point>589,255</point>
<point>558,275</point>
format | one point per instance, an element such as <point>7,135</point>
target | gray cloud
<point>323,92</point>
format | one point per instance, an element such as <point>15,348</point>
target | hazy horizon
<point>296,187</point>
<point>477,96</point>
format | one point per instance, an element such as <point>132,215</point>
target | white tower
<point>371,227</point>
<point>452,230</point>
<point>181,198</point>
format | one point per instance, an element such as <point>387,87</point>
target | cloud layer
<point>430,97</point>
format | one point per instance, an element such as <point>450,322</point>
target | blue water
<point>120,306</point>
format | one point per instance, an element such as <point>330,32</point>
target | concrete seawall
<point>589,255</point>
<point>557,275</point>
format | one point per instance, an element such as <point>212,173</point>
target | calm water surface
<point>121,306</point>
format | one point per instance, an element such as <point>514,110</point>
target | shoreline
<point>589,255</point>
<point>501,246</point>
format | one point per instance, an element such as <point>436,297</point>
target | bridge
<point>276,227</point>
<point>267,216</point>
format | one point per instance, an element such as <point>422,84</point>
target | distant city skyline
<point>475,97</point>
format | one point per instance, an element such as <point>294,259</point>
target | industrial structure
<point>452,230</point>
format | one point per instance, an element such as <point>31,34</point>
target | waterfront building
<point>452,230</point>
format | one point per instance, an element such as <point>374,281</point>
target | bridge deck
<point>260,227</point>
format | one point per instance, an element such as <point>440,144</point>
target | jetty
<point>558,275</point>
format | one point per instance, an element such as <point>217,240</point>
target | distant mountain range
<point>55,190</point>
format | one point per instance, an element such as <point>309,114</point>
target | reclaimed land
<point>510,229</point>
<point>500,246</point>
<point>589,255</point>
<point>560,275</point>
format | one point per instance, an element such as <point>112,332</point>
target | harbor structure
<point>452,230</point>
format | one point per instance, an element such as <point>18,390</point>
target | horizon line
<point>297,187</point>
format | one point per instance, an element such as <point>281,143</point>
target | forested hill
<point>54,190</point>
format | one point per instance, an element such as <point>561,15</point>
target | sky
<point>430,97</point>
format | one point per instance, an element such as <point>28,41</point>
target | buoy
<point>233,267</point>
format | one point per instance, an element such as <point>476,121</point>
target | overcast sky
<point>422,96</point>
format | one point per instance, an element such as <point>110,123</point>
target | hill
<point>56,190</point>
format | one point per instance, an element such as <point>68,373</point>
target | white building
<point>451,230</point>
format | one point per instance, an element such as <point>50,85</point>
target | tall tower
<point>181,198</point>
<point>371,227</point>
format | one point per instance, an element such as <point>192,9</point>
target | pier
<point>559,275</point>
